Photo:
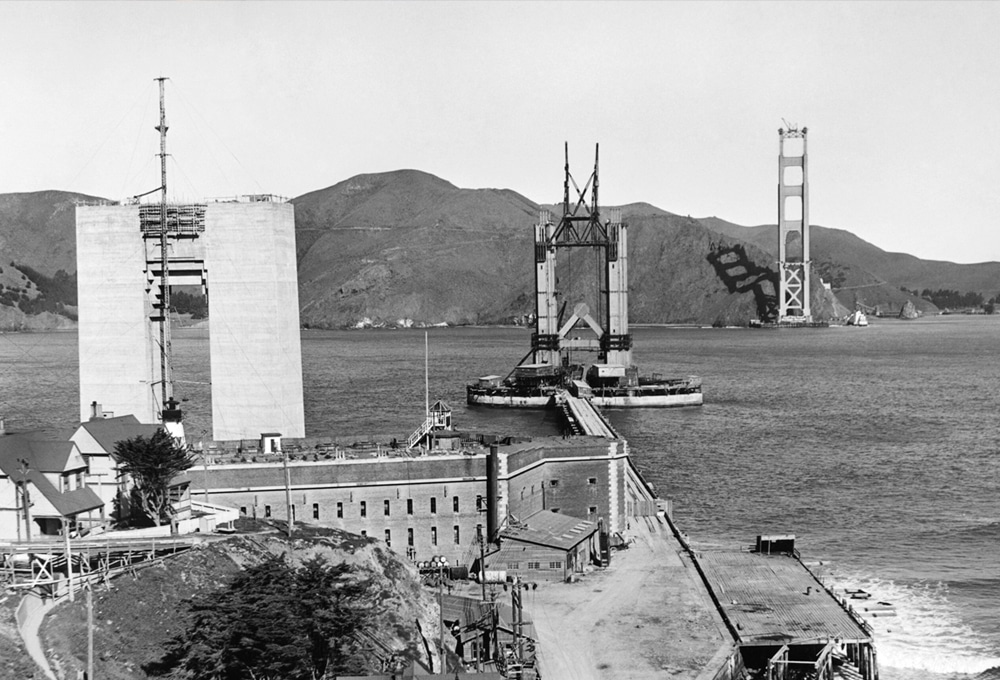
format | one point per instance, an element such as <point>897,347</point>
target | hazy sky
<point>902,102</point>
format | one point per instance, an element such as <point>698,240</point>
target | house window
<point>315,510</point>
<point>409,537</point>
<point>513,565</point>
<point>592,510</point>
<point>534,565</point>
<point>243,511</point>
<point>388,538</point>
<point>479,503</point>
<point>555,565</point>
<point>458,538</point>
<point>434,505</point>
<point>454,504</point>
<point>364,533</point>
<point>434,535</point>
<point>364,509</point>
<point>592,481</point>
<point>479,532</point>
<point>409,506</point>
<point>340,511</point>
<point>267,511</point>
<point>386,508</point>
<point>554,482</point>
<point>79,480</point>
<point>293,513</point>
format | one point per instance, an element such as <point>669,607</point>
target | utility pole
<point>90,632</point>
<point>69,558</point>
<point>482,564</point>
<point>26,499</point>
<point>165,377</point>
<point>288,494</point>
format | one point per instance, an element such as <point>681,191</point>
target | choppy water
<point>877,447</point>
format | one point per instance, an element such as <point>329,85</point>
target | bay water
<point>877,447</point>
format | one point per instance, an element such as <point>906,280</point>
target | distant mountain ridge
<point>407,246</point>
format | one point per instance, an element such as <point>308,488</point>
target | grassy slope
<point>137,616</point>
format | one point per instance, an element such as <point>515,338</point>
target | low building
<point>43,488</point>
<point>429,505</point>
<point>96,440</point>
<point>546,546</point>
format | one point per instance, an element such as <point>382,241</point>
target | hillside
<point>38,229</point>
<point>860,270</point>
<point>406,245</point>
<point>136,617</point>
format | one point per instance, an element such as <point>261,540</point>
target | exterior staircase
<point>845,670</point>
<point>420,432</point>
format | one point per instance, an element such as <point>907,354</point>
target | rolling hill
<point>409,246</point>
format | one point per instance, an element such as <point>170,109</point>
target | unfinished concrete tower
<point>793,227</point>
<point>242,254</point>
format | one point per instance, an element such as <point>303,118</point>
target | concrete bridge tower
<point>242,252</point>
<point>793,220</point>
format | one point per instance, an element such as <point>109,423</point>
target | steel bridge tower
<point>793,268</point>
<point>581,227</point>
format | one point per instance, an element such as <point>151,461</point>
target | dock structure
<point>784,619</point>
<point>583,418</point>
<point>793,221</point>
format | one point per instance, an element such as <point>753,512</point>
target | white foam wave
<point>927,633</point>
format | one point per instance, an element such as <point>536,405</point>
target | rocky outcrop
<point>909,311</point>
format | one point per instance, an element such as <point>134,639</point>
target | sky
<point>901,100</point>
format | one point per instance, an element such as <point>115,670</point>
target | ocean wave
<point>927,632</point>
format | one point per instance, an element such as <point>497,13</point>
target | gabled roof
<point>41,455</point>
<point>109,431</point>
<point>550,529</point>
<point>66,503</point>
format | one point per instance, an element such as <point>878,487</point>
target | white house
<point>96,439</point>
<point>50,478</point>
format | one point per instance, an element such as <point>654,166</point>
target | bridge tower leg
<point>617,340</point>
<point>793,268</point>
<point>545,342</point>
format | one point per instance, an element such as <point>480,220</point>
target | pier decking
<point>775,599</point>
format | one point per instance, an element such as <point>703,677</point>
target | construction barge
<point>549,368</point>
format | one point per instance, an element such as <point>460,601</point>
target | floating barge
<point>539,386</point>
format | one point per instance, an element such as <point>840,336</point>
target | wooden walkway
<point>775,599</point>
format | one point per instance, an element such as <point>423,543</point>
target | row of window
<point>514,566</point>
<point>456,535</point>
<point>386,507</point>
<point>592,510</point>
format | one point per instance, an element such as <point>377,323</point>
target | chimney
<point>492,472</point>
<point>95,410</point>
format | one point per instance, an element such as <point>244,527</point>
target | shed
<point>546,546</point>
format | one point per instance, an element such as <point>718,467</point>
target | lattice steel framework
<point>794,275</point>
<point>581,227</point>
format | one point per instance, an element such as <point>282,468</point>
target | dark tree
<point>274,621</point>
<point>152,464</point>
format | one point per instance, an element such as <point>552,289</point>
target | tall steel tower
<point>793,267</point>
<point>581,227</point>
